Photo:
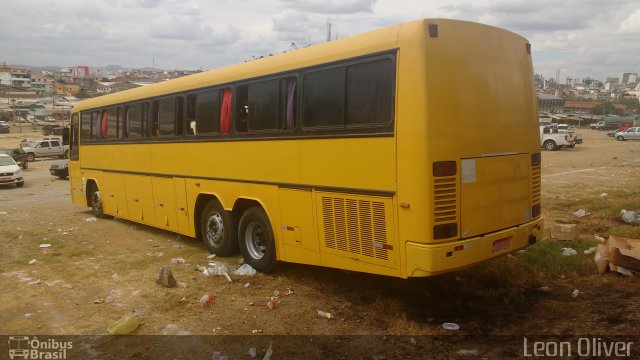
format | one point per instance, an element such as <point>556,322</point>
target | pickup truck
<point>604,125</point>
<point>564,129</point>
<point>551,139</point>
<point>45,148</point>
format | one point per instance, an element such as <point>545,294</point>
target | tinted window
<point>167,119</point>
<point>351,96</point>
<point>85,124</point>
<point>73,143</point>
<point>114,127</point>
<point>369,93</point>
<point>203,113</point>
<point>95,118</point>
<point>263,105</point>
<point>137,120</point>
<point>324,98</point>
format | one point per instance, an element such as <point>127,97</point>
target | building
<point>550,103</point>
<point>66,89</point>
<point>624,77</point>
<point>81,71</point>
<point>580,105</point>
<point>42,84</point>
<point>15,76</point>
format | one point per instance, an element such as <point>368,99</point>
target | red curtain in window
<point>225,112</point>
<point>103,125</point>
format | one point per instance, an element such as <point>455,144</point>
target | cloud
<point>331,6</point>
<point>631,25</point>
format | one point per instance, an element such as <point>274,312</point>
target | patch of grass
<point>546,257</point>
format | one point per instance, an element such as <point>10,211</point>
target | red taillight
<point>444,168</point>
<point>445,231</point>
<point>566,137</point>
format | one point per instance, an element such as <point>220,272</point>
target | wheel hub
<point>215,229</point>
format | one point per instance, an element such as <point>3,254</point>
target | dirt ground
<point>101,270</point>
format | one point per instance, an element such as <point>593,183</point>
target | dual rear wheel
<point>253,235</point>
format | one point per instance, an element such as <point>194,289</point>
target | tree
<point>82,93</point>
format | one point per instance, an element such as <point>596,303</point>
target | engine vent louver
<point>355,226</point>
<point>445,200</point>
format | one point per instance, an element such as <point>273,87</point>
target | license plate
<point>501,245</point>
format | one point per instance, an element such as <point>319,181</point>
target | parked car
<point>45,148</point>
<point>10,172</point>
<point>60,168</point>
<point>551,139</point>
<point>18,155</point>
<point>629,134</point>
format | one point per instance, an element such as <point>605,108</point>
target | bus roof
<point>350,47</point>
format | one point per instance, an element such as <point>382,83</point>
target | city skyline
<point>578,39</point>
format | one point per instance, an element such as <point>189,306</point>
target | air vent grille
<point>355,226</point>
<point>445,200</point>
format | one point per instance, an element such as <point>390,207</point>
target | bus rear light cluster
<point>445,231</point>
<point>444,168</point>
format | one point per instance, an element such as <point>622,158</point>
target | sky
<point>578,38</point>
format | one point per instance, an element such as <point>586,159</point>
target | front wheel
<point>20,184</point>
<point>550,145</point>
<point>256,240</point>
<point>620,138</point>
<point>31,157</point>
<point>96,203</point>
<point>217,230</point>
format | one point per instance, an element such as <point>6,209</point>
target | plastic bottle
<point>271,304</point>
<point>325,314</point>
<point>122,326</point>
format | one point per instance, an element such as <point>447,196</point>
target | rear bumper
<point>427,260</point>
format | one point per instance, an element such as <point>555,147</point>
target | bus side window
<point>242,111</point>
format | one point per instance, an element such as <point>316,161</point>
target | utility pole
<point>328,30</point>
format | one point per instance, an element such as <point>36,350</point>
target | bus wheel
<point>256,241</point>
<point>218,230</point>
<point>96,203</point>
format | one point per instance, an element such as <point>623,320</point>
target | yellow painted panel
<point>164,201</point>
<point>140,198</point>
<point>182,208</point>
<point>112,191</point>
<point>75,183</point>
<point>298,233</point>
<point>495,193</point>
<point>357,163</point>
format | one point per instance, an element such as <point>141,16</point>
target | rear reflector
<point>445,231</point>
<point>444,168</point>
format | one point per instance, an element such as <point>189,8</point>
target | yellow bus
<point>407,151</point>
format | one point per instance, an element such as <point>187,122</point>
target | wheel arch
<point>88,189</point>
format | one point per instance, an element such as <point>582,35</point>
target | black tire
<point>256,241</point>
<point>31,157</point>
<point>96,203</point>
<point>218,230</point>
<point>20,184</point>
<point>550,145</point>
<point>62,176</point>
<point>620,138</point>
<point>25,164</point>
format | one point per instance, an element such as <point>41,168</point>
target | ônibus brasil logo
<point>25,347</point>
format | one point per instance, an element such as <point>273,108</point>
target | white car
<point>629,134</point>
<point>10,172</point>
